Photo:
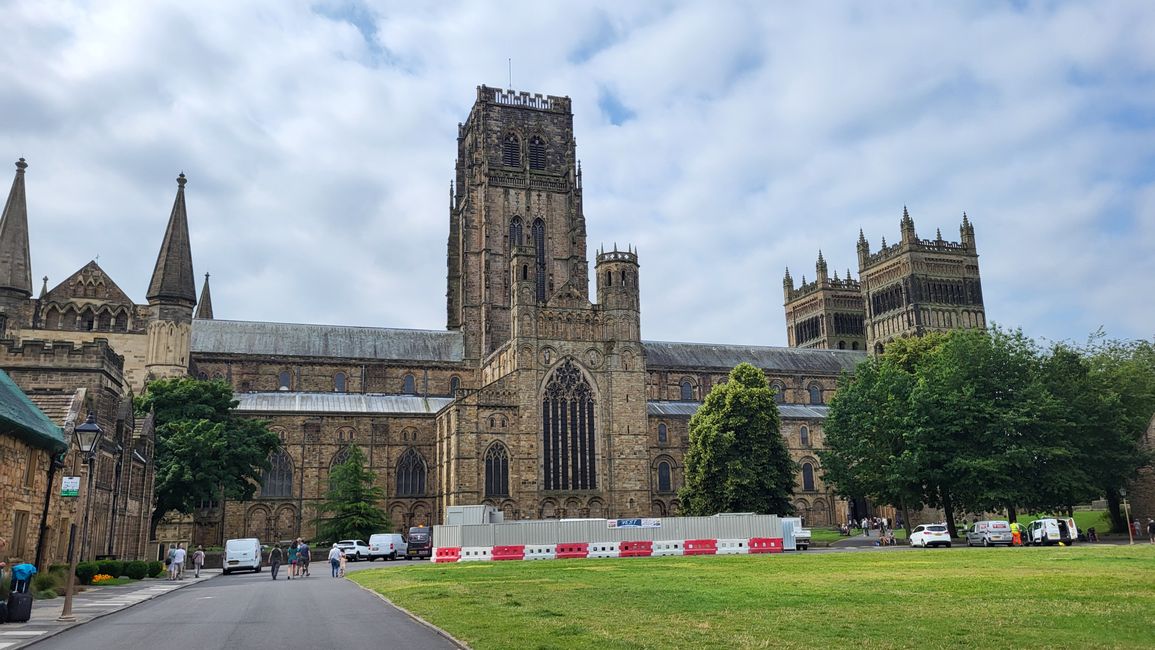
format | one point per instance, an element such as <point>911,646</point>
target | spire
<point>205,304</point>
<point>44,288</point>
<point>861,237</point>
<point>172,278</point>
<point>820,269</point>
<point>908,234</point>
<point>15,262</point>
<point>787,284</point>
<point>938,234</point>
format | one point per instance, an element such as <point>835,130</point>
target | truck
<point>801,536</point>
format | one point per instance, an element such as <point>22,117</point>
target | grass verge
<point>1081,596</point>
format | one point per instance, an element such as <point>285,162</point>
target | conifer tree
<point>352,506</point>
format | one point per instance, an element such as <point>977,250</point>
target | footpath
<point>92,603</point>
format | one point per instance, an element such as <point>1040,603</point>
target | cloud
<point>725,140</point>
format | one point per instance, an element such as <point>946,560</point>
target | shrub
<point>45,581</point>
<point>47,594</point>
<point>137,569</point>
<point>58,568</point>
<point>85,571</point>
<point>156,568</point>
<point>114,568</point>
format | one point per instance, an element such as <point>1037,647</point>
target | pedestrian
<point>335,560</point>
<point>344,559</point>
<point>303,556</point>
<point>275,557</point>
<point>1151,529</point>
<point>1017,534</point>
<point>1137,528</point>
<point>178,557</point>
<point>292,559</point>
<point>198,560</point>
<point>168,559</point>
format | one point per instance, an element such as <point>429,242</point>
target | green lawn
<point>1081,596</point>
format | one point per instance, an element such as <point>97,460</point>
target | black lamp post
<point>87,436</point>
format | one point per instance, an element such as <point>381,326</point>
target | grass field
<point>1082,596</point>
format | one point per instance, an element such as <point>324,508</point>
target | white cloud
<point>319,140</point>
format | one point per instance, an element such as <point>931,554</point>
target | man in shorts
<point>303,556</point>
<point>177,566</point>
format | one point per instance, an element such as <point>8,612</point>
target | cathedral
<point>537,397</point>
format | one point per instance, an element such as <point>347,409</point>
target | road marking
<point>22,633</point>
<point>6,645</point>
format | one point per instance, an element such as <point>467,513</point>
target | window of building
<point>30,468</point>
<point>779,392</point>
<point>497,471</point>
<point>854,345</point>
<point>804,435</point>
<point>663,433</point>
<point>842,345</point>
<point>339,382</point>
<point>664,482</point>
<point>815,394</point>
<point>411,474</point>
<point>284,380</point>
<point>807,477</point>
<point>568,430</point>
<point>515,235</point>
<point>454,384</point>
<point>410,385</point>
<point>536,153</point>
<point>687,390</point>
<point>511,151</point>
<point>539,252</point>
<point>278,480</point>
<point>18,547</point>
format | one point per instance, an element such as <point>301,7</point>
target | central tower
<point>517,185</point>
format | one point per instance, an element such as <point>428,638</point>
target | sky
<point>726,141</point>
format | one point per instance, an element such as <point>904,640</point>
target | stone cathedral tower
<point>826,313</point>
<point>558,423</point>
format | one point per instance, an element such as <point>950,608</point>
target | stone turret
<point>172,295</point>
<point>15,261</point>
<point>618,294</point>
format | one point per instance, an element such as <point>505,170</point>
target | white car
<point>354,549</point>
<point>925,535</point>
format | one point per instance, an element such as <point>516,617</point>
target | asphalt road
<point>249,610</point>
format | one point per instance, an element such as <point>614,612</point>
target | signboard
<point>633,523</point>
<point>70,486</point>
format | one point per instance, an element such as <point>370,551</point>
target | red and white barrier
<point>508,552</point>
<point>541,551</point>
<point>476,554</point>
<point>701,547</point>
<point>733,546</point>
<point>670,547</point>
<point>447,554</point>
<point>573,550</point>
<point>604,549</point>
<point>581,550</point>
<point>640,548</point>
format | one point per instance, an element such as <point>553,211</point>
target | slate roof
<point>54,405</point>
<point>661,354</point>
<point>20,416</point>
<point>326,341</point>
<point>786,411</point>
<point>290,402</point>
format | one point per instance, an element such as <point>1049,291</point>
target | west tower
<point>826,313</point>
<point>517,184</point>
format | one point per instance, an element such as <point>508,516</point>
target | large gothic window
<point>536,153</point>
<point>511,151</point>
<point>567,416</point>
<point>497,471</point>
<point>278,480</point>
<point>539,251</point>
<point>411,474</point>
<point>515,234</point>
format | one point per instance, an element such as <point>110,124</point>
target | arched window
<point>779,392</point>
<point>878,349</point>
<point>339,458</point>
<point>284,380</point>
<point>854,345</point>
<point>410,385</point>
<point>539,252</point>
<point>497,471</point>
<point>454,384</point>
<point>411,474</point>
<point>278,480</point>
<point>664,483</point>
<point>687,391</point>
<point>511,151</point>
<point>567,414</point>
<point>842,345</point>
<point>815,394</point>
<point>804,435</point>
<point>515,235</point>
<point>536,153</point>
<point>339,382</point>
<point>807,477</point>
<point>663,433</point>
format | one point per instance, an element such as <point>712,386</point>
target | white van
<point>1044,532</point>
<point>242,554</point>
<point>387,545</point>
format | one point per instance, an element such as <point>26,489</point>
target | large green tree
<point>352,507</point>
<point>204,450</point>
<point>737,460</point>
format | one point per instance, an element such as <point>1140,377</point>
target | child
<point>341,563</point>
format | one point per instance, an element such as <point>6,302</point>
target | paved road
<point>249,610</point>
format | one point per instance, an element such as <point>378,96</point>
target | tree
<point>352,502</point>
<point>203,449</point>
<point>737,460</point>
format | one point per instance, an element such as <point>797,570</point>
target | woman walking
<point>292,559</point>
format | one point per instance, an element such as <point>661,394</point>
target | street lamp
<point>1127,516</point>
<point>87,436</point>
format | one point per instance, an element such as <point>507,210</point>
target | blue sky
<point>725,140</point>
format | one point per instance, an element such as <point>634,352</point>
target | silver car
<point>989,533</point>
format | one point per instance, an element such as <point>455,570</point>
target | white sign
<point>70,486</point>
<point>633,523</point>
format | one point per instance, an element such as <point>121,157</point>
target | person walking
<point>178,557</point>
<point>292,559</point>
<point>344,559</point>
<point>1151,529</point>
<point>168,557</point>
<point>1016,534</point>
<point>335,560</point>
<point>303,556</point>
<point>275,558</point>
<point>198,560</point>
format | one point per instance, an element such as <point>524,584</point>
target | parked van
<point>990,533</point>
<point>1044,532</point>
<point>420,542</point>
<point>242,554</point>
<point>387,545</point>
